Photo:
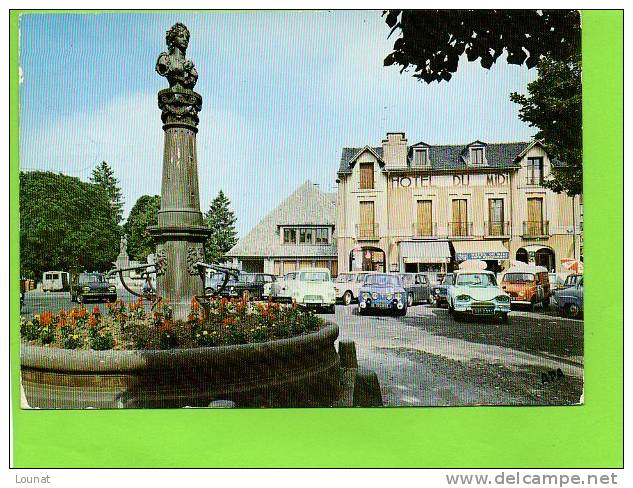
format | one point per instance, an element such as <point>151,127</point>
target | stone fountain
<point>303,370</point>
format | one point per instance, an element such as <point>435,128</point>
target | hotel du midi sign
<point>479,179</point>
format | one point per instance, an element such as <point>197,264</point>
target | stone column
<point>180,233</point>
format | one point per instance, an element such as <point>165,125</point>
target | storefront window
<point>321,235</point>
<point>290,236</point>
<point>306,236</point>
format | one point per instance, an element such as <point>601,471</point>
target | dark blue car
<point>382,291</point>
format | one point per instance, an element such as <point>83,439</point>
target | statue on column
<point>173,65</point>
<point>179,103</point>
<point>123,245</point>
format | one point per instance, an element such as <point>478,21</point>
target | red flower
<point>46,318</point>
<point>92,321</point>
<point>166,326</point>
<point>195,305</point>
<point>96,310</point>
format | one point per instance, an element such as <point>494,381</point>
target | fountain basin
<point>301,371</point>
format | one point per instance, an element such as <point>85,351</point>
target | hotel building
<point>424,207</point>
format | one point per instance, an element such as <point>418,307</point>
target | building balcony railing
<point>494,229</point>
<point>460,229</point>
<point>367,232</point>
<point>534,180</point>
<point>424,229</point>
<point>535,228</point>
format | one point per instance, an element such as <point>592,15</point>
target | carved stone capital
<point>179,107</point>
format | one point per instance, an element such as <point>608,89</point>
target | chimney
<point>394,150</point>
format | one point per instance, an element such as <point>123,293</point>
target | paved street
<point>36,301</point>
<point>427,358</point>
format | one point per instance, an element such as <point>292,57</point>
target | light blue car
<point>476,293</point>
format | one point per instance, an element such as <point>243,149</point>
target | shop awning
<point>534,247</point>
<point>425,251</point>
<point>480,250</point>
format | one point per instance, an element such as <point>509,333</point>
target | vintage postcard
<point>301,209</point>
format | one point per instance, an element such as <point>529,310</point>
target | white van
<point>55,281</point>
<point>347,285</point>
<point>312,288</point>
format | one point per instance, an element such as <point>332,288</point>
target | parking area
<point>428,358</point>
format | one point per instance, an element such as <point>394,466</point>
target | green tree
<point>104,175</point>
<point>221,220</point>
<point>143,214</point>
<point>554,106</point>
<point>65,224</point>
<point>432,41</point>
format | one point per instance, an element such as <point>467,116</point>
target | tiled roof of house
<point>307,205</point>
<point>447,157</point>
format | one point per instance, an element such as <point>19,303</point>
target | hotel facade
<point>424,207</point>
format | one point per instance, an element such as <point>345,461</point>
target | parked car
<point>212,282</point>
<point>278,290</point>
<point>55,281</point>
<point>247,286</point>
<point>440,292</point>
<point>417,287</point>
<point>572,280</point>
<point>347,285</point>
<point>382,291</point>
<point>476,292</point>
<point>312,288</point>
<point>570,300</point>
<point>527,285</point>
<point>556,282</point>
<point>91,286</point>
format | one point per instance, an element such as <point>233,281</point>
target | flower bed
<point>126,357</point>
<point>121,327</point>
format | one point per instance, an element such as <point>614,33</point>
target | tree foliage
<point>221,220</point>
<point>432,41</point>
<point>104,175</point>
<point>143,214</point>
<point>65,224</point>
<point>554,106</point>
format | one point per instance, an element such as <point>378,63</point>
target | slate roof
<point>447,157</point>
<point>307,205</point>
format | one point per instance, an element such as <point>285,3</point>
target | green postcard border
<point>584,436</point>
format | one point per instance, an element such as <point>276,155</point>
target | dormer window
<point>420,156</point>
<point>477,157</point>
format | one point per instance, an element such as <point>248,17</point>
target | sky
<point>283,93</point>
